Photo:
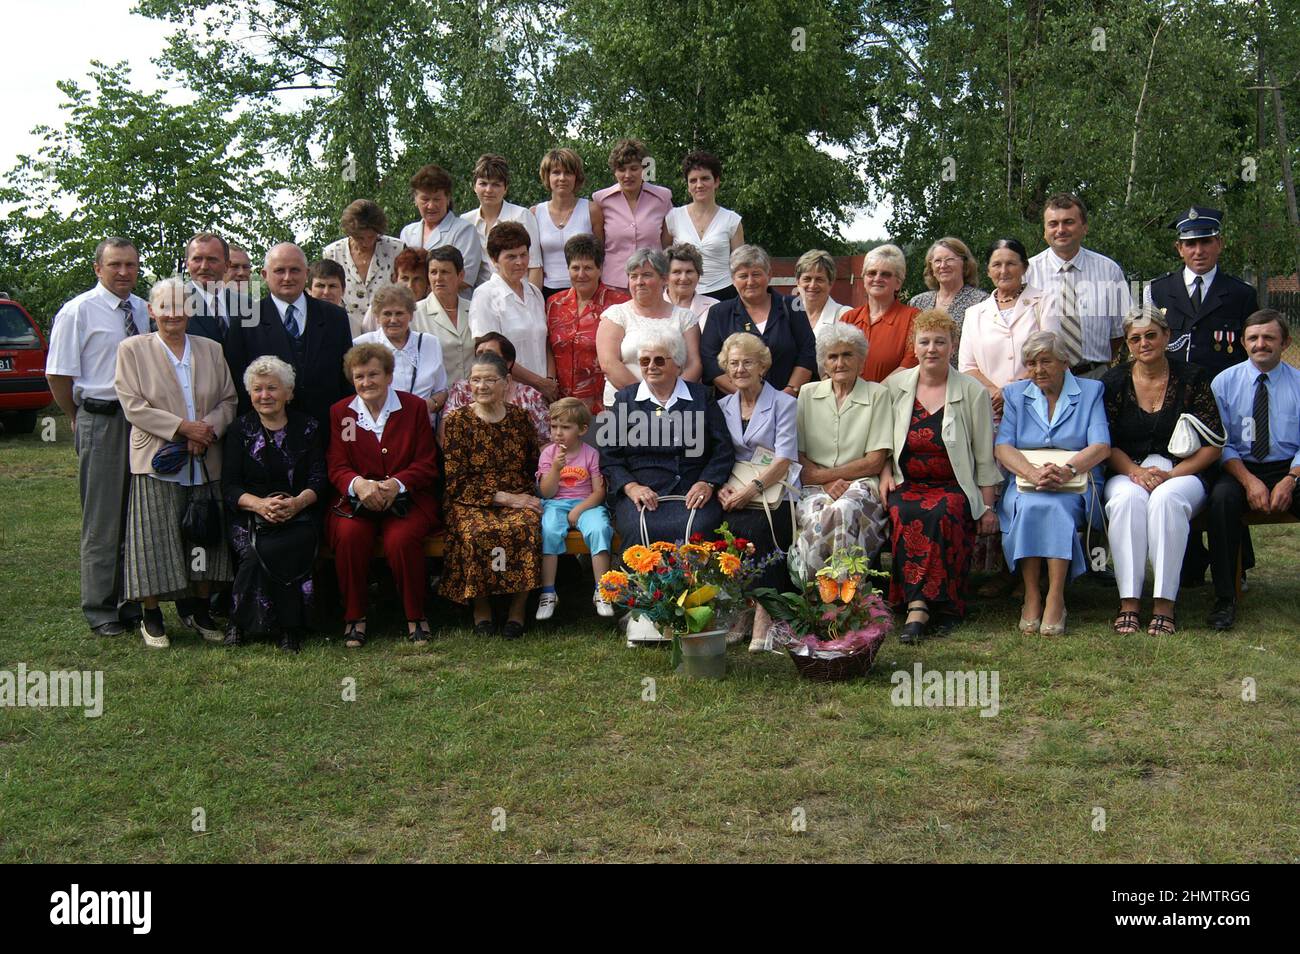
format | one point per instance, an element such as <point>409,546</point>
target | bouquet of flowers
<point>683,587</point>
<point>838,616</point>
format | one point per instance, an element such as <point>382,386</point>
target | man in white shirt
<point>438,225</point>
<point>1087,291</point>
<point>81,369</point>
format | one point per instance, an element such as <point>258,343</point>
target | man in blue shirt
<point>1259,401</point>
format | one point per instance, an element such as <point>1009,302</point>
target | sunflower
<point>612,585</point>
<point>729,563</point>
<point>641,559</point>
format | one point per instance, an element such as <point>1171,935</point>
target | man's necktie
<point>1071,330</point>
<point>1260,445</point>
<point>291,322</point>
<point>1196,295</point>
<point>128,319</point>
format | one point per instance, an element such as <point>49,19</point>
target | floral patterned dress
<point>933,531</point>
<point>490,549</point>
<point>572,335</point>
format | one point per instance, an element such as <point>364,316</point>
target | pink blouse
<point>626,231</point>
<point>991,342</point>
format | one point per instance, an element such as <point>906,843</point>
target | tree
<point>126,163</point>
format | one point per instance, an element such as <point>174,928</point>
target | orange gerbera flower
<point>612,585</point>
<point>697,551</point>
<point>663,546</point>
<point>641,559</point>
<point>729,563</point>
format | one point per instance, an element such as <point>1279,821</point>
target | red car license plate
<point>6,364</point>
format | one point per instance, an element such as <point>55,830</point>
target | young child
<point>573,495</point>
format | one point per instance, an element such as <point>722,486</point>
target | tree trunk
<point>1137,115</point>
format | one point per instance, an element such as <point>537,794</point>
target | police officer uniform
<point>1208,332</point>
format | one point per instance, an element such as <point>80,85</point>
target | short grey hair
<point>113,241</point>
<point>749,256</point>
<point>648,256</point>
<point>840,333</point>
<point>816,258</point>
<point>269,366</point>
<point>172,288</point>
<point>1044,342</point>
<point>1144,314</point>
<point>660,336</point>
<point>890,255</point>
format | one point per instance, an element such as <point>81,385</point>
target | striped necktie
<point>1071,330</point>
<point>128,319</point>
<point>291,322</point>
<point>1260,445</point>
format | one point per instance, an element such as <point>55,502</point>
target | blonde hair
<point>569,410</point>
<point>393,294</point>
<point>749,345</point>
<point>958,248</point>
<point>934,319</point>
<point>891,255</point>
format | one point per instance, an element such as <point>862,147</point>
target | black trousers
<point>1226,507</point>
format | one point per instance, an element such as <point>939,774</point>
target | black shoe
<point>111,628</point>
<point>289,643</point>
<point>201,621</point>
<point>232,637</point>
<point>513,629</point>
<point>912,633</point>
<point>485,627</point>
<point>1224,615</point>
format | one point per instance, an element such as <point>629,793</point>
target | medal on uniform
<point>1231,335</point>
<point>1218,337</point>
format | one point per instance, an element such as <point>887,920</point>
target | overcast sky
<point>51,40</point>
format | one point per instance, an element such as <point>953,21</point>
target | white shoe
<point>546,606</point>
<point>603,606</point>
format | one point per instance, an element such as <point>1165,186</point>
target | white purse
<point>1189,433</point>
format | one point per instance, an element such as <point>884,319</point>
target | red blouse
<point>573,342</point>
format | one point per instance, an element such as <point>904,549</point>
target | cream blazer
<point>152,400</point>
<point>967,430</point>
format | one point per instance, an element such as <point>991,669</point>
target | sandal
<point>354,638</point>
<point>1127,622</point>
<point>420,635</point>
<point>1161,625</point>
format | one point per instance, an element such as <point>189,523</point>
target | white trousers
<point>1151,525</point>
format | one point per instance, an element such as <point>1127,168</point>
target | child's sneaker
<point>546,605</point>
<point>603,606</point>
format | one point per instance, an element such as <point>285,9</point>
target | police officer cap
<point>1199,222</point>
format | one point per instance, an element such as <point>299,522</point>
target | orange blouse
<point>889,339</point>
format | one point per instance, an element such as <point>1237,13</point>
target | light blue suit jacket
<point>772,425</point>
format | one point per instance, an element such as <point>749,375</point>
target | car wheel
<point>20,422</point>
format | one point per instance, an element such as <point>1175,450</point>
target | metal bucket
<point>704,655</point>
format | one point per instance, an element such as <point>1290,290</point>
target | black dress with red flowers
<point>933,531</point>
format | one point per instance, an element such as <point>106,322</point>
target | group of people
<point>617,366</point>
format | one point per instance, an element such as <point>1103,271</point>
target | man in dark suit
<point>309,334</point>
<point>1206,310</point>
<point>207,256</point>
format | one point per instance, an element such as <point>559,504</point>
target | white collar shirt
<point>84,340</point>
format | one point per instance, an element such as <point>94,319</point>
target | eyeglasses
<point>657,360</point>
<point>877,273</point>
<point>944,262</point>
<point>746,364</point>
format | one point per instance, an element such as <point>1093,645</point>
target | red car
<point>23,349</point>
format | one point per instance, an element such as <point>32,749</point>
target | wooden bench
<point>573,544</point>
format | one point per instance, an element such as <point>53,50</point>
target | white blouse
<point>509,213</point>
<point>634,325</point>
<point>417,367</point>
<point>714,244</point>
<point>358,291</point>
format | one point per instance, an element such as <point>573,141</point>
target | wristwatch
<point>1073,470</point>
<point>759,484</point>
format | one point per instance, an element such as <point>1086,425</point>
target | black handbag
<point>201,522</point>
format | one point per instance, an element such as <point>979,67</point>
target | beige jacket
<point>967,430</point>
<point>152,400</point>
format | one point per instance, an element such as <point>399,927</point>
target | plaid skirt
<point>159,561</point>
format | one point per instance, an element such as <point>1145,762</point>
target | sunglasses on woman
<point>657,360</point>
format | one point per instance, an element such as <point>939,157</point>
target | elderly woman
<point>671,440</point>
<point>417,356</point>
<point>367,256</point>
<point>275,482</point>
<point>529,400</point>
<point>445,312</point>
<point>411,271</point>
<point>684,267</point>
<point>513,306</point>
<point>758,310</point>
<point>940,486</point>
<point>632,210</point>
<point>1152,496</point>
<point>382,463</point>
<point>715,231</point>
<point>564,217</point>
<point>844,442</point>
<point>885,320</point>
<point>761,423</point>
<point>623,327</point>
<point>995,332</point>
<point>491,179</point>
<point>176,392</point>
<point>814,274</point>
<point>573,322</point>
<point>950,277</point>
<point>1064,415</point>
<point>494,517</point>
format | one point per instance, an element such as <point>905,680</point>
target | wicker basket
<point>840,668</point>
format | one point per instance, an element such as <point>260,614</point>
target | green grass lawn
<point>554,731</point>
